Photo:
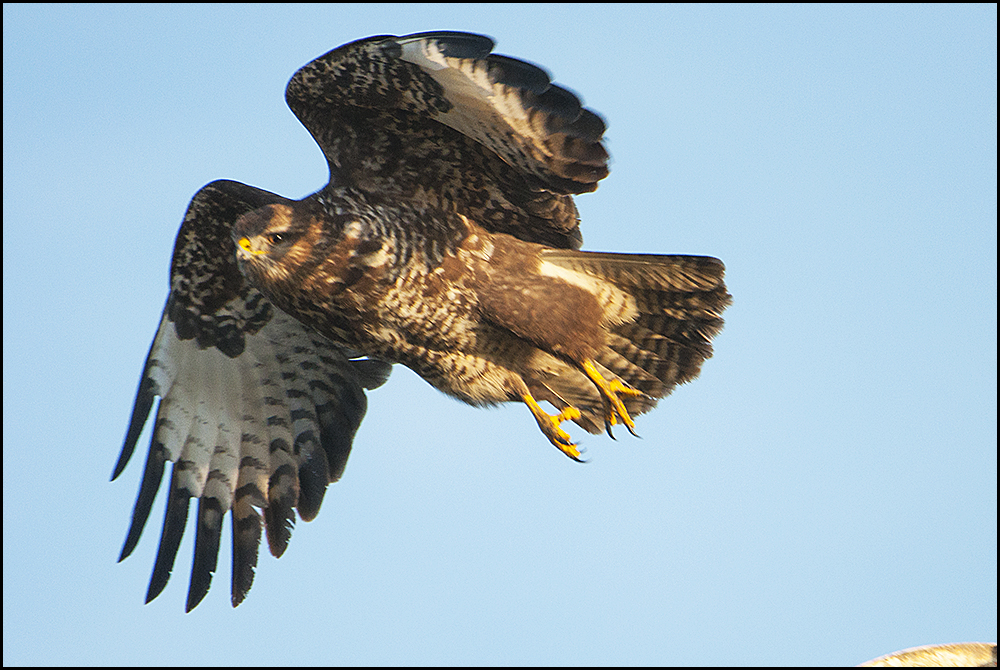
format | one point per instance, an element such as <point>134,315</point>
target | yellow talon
<point>549,425</point>
<point>614,408</point>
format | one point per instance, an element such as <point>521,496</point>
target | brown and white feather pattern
<point>485,134</point>
<point>661,313</point>
<point>256,412</point>
<point>446,240</point>
<point>513,108</point>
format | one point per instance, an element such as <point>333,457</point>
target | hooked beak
<point>244,244</point>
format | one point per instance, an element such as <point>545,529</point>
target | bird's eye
<point>275,238</point>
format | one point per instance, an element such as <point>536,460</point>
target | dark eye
<point>275,238</point>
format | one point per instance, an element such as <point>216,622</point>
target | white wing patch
<point>511,120</point>
<point>619,306</point>
<point>481,106</point>
<point>241,432</point>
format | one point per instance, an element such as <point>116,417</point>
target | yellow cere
<point>244,244</point>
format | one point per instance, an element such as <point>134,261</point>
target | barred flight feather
<point>248,400</point>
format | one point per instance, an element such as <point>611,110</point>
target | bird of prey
<point>446,240</point>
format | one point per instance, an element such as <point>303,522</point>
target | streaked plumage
<point>256,411</point>
<point>447,241</point>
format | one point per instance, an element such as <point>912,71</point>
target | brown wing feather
<point>678,303</point>
<point>256,411</point>
<point>437,117</point>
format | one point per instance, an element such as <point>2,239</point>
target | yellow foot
<point>614,408</point>
<point>550,426</point>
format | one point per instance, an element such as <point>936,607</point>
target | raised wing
<point>256,412</point>
<point>437,117</point>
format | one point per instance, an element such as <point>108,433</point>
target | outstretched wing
<point>256,411</point>
<point>437,117</point>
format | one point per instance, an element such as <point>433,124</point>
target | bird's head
<point>303,253</point>
<point>273,244</point>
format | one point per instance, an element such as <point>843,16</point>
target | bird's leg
<point>614,408</point>
<point>549,425</point>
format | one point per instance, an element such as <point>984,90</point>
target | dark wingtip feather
<point>519,74</point>
<point>589,127</point>
<point>170,539</point>
<point>151,479</point>
<point>206,550</point>
<point>561,102</point>
<point>314,477</point>
<point>338,423</point>
<point>144,396</point>
<point>454,44</point>
<point>246,541</point>
<point>279,516</point>
<point>279,520</point>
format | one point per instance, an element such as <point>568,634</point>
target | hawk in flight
<point>446,240</point>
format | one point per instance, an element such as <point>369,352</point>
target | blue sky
<point>825,493</point>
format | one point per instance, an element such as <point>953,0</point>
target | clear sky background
<point>823,494</point>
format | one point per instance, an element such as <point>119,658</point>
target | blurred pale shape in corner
<point>959,655</point>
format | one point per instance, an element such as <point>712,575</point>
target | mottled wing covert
<point>437,116</point>
<point>256,412</point>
